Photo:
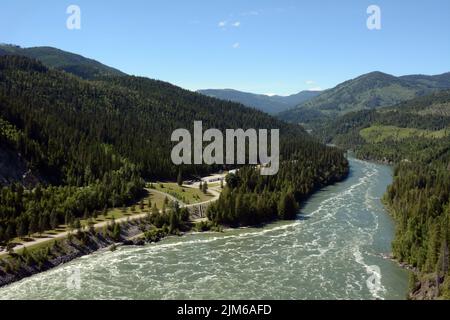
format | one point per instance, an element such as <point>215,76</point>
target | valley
<point>226,158</point>
<point>96,142</point>
<point>88,138</point>
<point>326,253</point>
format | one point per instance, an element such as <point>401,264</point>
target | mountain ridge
<point>79,65</point>
<point>269,104</point>
<point>368,91</point>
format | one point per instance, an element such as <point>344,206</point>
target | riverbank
<point>119,215</point>
<point>425,283</point>
<point>422,286</point>
<point>45,253</point>
<point>327,253</point>
<point>138,229</point>
<point>80,243</point>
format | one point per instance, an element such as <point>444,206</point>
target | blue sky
<point>260,46</point>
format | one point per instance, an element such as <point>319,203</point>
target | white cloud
<point>315,89</point>
<point>270,94</point>
<point>236,24</point>
<point>222,24</point>
<point>236,45</point>
<point>310,82</point>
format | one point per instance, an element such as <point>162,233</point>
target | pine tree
<point>2,235</point>
<point>86,214</point>
<point>22,228</point>
<point>77,225</point>
<point>180,178</point>
<point>287,206</point>
<point>173,221</point>
<point>42,223</point>
<point>34,225</point>
<point>155,210</point>
<point>116,232</point>
<point>54,220</point>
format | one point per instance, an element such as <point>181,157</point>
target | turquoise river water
<point>333,251</point>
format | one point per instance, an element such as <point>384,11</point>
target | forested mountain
<point>415,136</point>
<point>369,91</point>
<point>425,117</point>
<point>93,142</point>
<point>62,60</point>
<point>268,104</point>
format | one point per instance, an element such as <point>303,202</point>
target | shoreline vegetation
<point>412,137</point>
<point>172,220</point>
<point>138,224</point>
<point>428,277</point>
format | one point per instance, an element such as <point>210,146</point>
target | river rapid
<point>333,251</point>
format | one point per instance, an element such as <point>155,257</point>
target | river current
<point>333,251</point>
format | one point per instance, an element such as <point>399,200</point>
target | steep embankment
<point>59,251</point>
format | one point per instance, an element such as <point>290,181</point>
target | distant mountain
<point>55,58</point>
<point>413,129</point>
<point>369,91</point>
<point>265,103</point>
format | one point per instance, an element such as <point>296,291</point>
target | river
<point>333,251</point>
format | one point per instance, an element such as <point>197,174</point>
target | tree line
<point>250,199</point>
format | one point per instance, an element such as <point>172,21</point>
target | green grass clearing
<point>188,195</point>
<point>379,133</point>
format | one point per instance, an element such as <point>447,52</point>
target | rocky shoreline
<point>67,250</point>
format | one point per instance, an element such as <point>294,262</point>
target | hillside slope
<point>134,115</point>
<point>425,117</point>
<point>369,91</point>
<point>62,60</point>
